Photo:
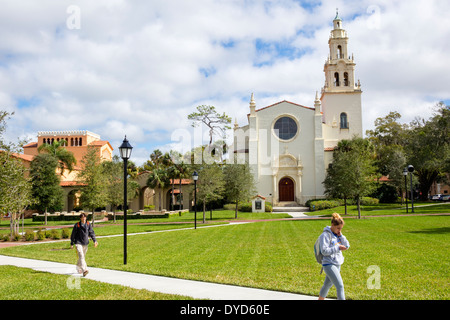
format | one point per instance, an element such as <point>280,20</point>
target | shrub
<point>40,235</point>
<point>268,207</point>
<point>55,234</point>
<point>245,207</point>
<point>323,204</point>
<point>65,233</point>
<point>29,235</point>
<point>16,237</point>
<point>368,201</point>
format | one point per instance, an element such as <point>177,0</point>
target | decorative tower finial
<point>252,105</point>
<point>337,14</point>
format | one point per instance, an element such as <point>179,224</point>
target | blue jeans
<point>333,277</point>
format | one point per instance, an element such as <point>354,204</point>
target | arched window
<point>339,52</point>
<point>346,79</point>
<point>71,142</point>
<point>79,142</point>
<point>344,121</point>
<point>336,79</point>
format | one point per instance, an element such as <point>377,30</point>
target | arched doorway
<point>286,189</point>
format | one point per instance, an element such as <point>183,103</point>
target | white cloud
<point>139,68</point>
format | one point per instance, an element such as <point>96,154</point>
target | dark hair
<point>83,215</point>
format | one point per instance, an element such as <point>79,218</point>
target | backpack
<point>317,253</point>
<point>87,222</point>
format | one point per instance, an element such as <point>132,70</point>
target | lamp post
<point>125,153</point>
<point>195,177</point>
<point>405,173</point>
<point>411,170</point>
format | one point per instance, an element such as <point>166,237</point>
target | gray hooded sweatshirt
<point>329,247</point>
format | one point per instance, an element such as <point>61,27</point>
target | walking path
<point>190,288</point>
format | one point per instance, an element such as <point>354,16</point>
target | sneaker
<point>85,273</point>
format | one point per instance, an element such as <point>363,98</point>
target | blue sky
<point>138,68</point>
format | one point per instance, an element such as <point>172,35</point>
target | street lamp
<point>125,153</point>
<point>405,173</point>
<point>195,177</point>
<point>411,170</point>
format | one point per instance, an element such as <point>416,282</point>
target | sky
<point>138,68</point>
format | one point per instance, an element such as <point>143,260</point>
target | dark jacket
<point>81,233</point>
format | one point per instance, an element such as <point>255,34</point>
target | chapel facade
<point>288,145</point>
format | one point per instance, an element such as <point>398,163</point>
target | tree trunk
<point>204,211</point>
<point>236,210</point>
<point>359,207</point>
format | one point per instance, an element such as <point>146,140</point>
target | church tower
<point>341,94</point>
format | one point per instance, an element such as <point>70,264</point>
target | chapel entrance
<point>286,189</point>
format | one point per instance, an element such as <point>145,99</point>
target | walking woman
<point>81,233</point>
<point>332,243</point>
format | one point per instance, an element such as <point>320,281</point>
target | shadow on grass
<point>442,230</point>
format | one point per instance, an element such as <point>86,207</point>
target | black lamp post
<point>405,173</point>
<point>125,153</point>
<point>195,177</point>
<point>411,170</point>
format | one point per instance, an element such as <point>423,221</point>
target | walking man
<point>81,233</point>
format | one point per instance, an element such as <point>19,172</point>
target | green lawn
<point>387,209</point>
<point>411,252</point>
<point>27,284</point>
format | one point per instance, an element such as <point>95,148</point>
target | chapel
<point>289,145</point>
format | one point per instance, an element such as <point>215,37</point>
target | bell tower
<point>341,94</point>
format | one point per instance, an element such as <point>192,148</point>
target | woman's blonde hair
<point>336,219</point>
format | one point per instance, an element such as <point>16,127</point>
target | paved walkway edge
<point>194,289</point>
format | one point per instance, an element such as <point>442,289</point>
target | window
<point>336,79</point>
<point>344,121</point>
<point>285,128</point>
<point>346,79</point>
<point>339,52</point>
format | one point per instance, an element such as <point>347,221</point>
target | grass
<point>27,284</point>
<point>411,252</point>
<point>386,209</point>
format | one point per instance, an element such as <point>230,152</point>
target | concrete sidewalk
<point>194,289</point>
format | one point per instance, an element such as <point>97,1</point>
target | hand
<point>95,244</point>
<point>71,247</point>
<point>342,248</point>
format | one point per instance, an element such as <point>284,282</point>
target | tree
<point>352,171</point>
<point>93,191</point>
<point>158,179</point>
<point>65,157</point>
<point>177,170</point>
<point>159,175</point>
<point>216,123</point>
<point>428,147</point>
<point>46,188</point>
<point>389,140</point>
<point>240,183</point>
<point>210,184</point>
<point>15,187</point>
<point>113,173</point>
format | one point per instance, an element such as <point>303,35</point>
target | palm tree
<point>158,178</point>
<point>65,157</point>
